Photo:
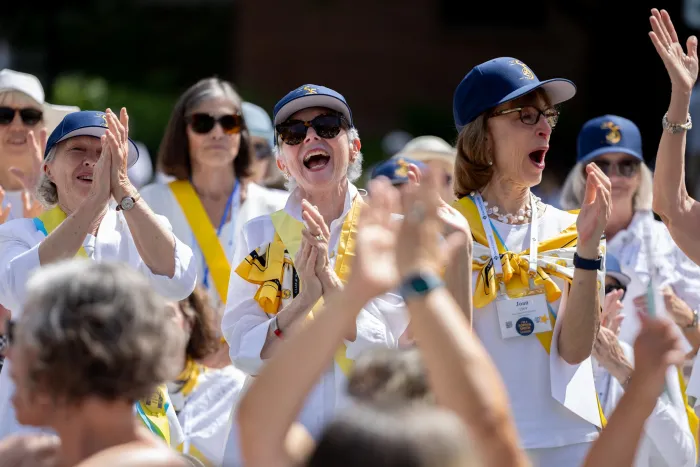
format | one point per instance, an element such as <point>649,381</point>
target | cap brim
<point>558,90</point>
<point>607,150</point>
<point>97,132</point>
<point>54,114</point>
<point>312,100</point>
<point>623,279</point>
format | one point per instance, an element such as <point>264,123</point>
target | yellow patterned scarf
<point>49,220</point>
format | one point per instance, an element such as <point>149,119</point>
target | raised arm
<point>277,394</point>
<point>460,371</point>
<point>677,209</point>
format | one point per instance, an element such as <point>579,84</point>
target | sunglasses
<point>262,150</point>
<point>612,287</point>
<point>293,132</point>
<point>30,117</point>
<point>9,332</point>
<point>203,123</point>
<point>530,115</point>
<point>627,168</point>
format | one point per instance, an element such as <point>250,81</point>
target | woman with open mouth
<point>292,258</point>
<point>536,269</point>
<point>84,172</point>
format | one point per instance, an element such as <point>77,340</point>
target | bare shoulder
<point>136,456</point>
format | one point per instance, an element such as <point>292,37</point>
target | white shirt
<point>19,257</point>
<point>530,375</point>
<point>259,201</point>
<point>380,323</point>
<point>667,440</point>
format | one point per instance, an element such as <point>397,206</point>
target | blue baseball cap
<point>606,134</point>
<point>395,169</point>
<point>258,122</point>
<point>311,95</point>
<point>501,80</point>
<point>85,123</point>
<point>614,270</point>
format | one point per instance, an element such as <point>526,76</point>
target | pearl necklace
<point>508,218</point>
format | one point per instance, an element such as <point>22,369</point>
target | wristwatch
<point>694,323</point>
<point>674,128</point>
<point>588,264</point>
<point>128,202</point>
<point>419,284</point>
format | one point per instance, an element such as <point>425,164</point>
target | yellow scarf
<point>205,233</point>
<point>516,269</point>
<point>693,420</point>
<point>189,376</point>
<point>267,269</point>
<point>49,220</point>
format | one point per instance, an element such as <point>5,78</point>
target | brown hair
<point>174,151</point>
<point>204,337</point>
<point>472,166</point>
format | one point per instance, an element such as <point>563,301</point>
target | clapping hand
<point>595,212</point>
<point>318,235</point>
<point>611,317</point>
<point>117,137</point>
<point>30,206</point>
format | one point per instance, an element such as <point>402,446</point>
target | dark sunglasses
<point>612,287</point>
<point>204,123</point>
<point>530,115</point>
<point>29,116</point>
<point>627,168</point>
<point>9,331</point>
<point>293,132</point>
<point>262,150</point>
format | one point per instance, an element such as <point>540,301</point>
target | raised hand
<point>4,211</point>
<point>595,212</point>
<point>611,317</point>
<point>29,180</point>
<point>100,190</point>
<point>118,140</point>
<point>305,265</point>
<point>682,67</point>
<point>374,267</point>
<point>318,235</point>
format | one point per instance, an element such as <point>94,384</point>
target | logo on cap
<point>103,117</point>
<point>402,169</point>
<point>613,136</point>
<point>309,90</point>
<point>527,73</point>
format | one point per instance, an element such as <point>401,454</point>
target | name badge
<point>523,316</point>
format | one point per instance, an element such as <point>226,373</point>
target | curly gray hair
<point>96,329</point>
<point>354,168</point>
<point>46,191</point>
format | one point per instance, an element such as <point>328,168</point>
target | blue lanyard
<point>222,222</point>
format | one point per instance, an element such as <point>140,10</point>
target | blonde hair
<point>575,188</point>
<point>18,98</point>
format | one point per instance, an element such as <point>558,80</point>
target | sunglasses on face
<point>30,117</point>
<point>9,332</point>
<point>262,150</point>
<point>530,115</point>
<point>293,132</point>
<point>203,123</point>
<point>627,168</point>
<point>613,287</point>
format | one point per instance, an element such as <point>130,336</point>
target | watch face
<point>127,203</point>
<point>419,285</point>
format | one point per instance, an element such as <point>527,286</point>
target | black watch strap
<point>588,264</point>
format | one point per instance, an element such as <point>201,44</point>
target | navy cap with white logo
<point>307,96</point>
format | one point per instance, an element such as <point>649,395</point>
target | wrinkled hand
<point>657,347</point>
<point>682,68</point>
<point>595,212</point>
<point>33,450</point>
<point>100,190</point>
<point>305,265</point>
<point>316,226</point>
<point>611,317</point>
<point>608,352</point>
<point>680,312</point>
<point>30,180</point>
<point>118,141</point>
<point>374,269</point>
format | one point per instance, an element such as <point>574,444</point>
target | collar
<point>293,206</point>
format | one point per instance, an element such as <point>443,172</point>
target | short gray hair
<point>46,191</point>
<point>354,168</point>
<point>97,329</point>
<point>575,188</point>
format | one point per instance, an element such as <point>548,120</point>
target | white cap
<point>425,148</point>
<point>25,83</point>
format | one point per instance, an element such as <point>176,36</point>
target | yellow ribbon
<point>153,412</point>
<point>190,376</point>
<point>205,234</point>
<point>267,270</point>
<point>515,271</point>
<point>693,420</point>
<point>49,220</point>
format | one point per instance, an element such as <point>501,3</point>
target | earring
<point>490,162</point>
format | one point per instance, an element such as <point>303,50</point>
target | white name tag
<point>523,316</point>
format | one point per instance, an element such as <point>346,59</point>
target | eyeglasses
<point>202,123</point>
<point>262,150</point>
<point>530,115</point>
<point>613,287</point>
<point>293,132</point>
<point>626,168</point>
<point>30,117</point>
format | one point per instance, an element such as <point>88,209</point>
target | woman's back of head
<point>389,435</point>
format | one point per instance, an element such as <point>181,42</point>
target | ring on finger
<point>320,237</point>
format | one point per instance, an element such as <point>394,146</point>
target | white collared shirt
<point>245,325</point>
<point>19,257</point>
